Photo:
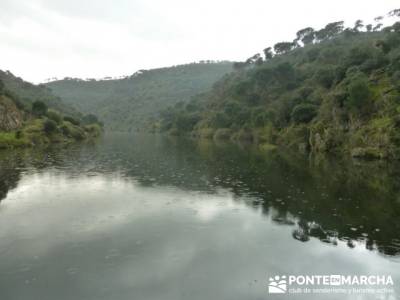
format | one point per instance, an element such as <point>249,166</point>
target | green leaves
<point>303,113</point>
<point>359,93</point>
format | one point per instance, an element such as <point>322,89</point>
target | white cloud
<point>43,38</point>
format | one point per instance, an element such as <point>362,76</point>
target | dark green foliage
<point>359,93</point>
<point>306,35</point>
<point>49,126</point>
<point>340,81</point>
<point>331,30</point>
<point>129,103</point>
<point>303,113</point>
<point>283,47</point>
<point>39,108</point>
<point>25,94</point>
<point>72,120</point>
<point>90,119</point>
<point>55,116</point>
<point>325,76</point>
<point>268,53</point>
<point>18,134</point>
<point>1,87</point>
<point>358,25</point>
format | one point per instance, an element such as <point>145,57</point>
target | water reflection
<point>354,202</point>
<point>147,217</point>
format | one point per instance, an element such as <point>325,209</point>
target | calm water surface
<point>147,217</point>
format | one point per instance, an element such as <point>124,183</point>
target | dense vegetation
<point>333,89</point>
<point>31,115</point>
<point>25,93</point>
<point>128,104</point>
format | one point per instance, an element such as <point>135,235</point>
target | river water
<point>151,217</point>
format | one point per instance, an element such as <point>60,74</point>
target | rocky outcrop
<point>10,116</point>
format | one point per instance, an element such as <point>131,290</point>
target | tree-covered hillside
<point>333,89</point>
<point>31,115</point>
<point>128,104</point>
<point>25,93</point>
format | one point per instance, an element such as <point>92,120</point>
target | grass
<point>10,140</point>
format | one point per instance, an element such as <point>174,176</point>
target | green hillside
<point>26,93</point>
<point>128,104</point>
<point>31,115</point>
<point>330,90</point>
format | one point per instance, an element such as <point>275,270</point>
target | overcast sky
<point>96,38</point>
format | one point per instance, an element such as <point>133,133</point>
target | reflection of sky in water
<point>108,237</point>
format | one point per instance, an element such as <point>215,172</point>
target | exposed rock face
<point>10,116</point>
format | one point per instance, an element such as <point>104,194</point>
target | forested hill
<point>30,115</point>
<point>328,90</point>
<point>129,103</point>
<point>25,94</point>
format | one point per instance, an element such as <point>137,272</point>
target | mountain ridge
<point>128,104</point>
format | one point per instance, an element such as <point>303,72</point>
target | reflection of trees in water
<point>332,200</point>
<point>16,161</point>
<point>9,173</point>
<point>8,180</point>
<point>328,199</point>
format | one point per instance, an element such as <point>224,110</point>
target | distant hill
<point>26,93</point>
<point>128,104</point>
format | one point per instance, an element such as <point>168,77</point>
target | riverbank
<point>375,139</point>
<point>44,131</point>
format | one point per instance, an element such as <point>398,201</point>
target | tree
<point>39,108</point>
<point>221,120</point>
<point>303,113</point>
<point>259,61</point>
<point>394,13</point>
<point>358,25</point>
<point>72,120</point>
<point>49,126</point>
<point>377,27</point>
<point>329,31</point>
<point>268,53</point>
<point>1,87</point>
<point>306,35</point>
<point>396,27</point>
<point>285,74</point>
<point>253,59</point>
<point>369,27</point>
<point>283,47</point>
<point>325,76</point>
<point>359,92</point>
<point>239,65</point>
<point>54,115</point>
<point>90,119</point>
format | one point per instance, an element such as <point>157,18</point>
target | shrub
<point>49,126</point>
<point>90,119</point>
<point>18,134</point>
<point>223,134</point>
<point>359,92</point>
<point>303,113</point>
<point>325,76</point>
<point>39,108</point>
<point>65,130</point>
<point>72,120</point>
<point>55,116</point>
